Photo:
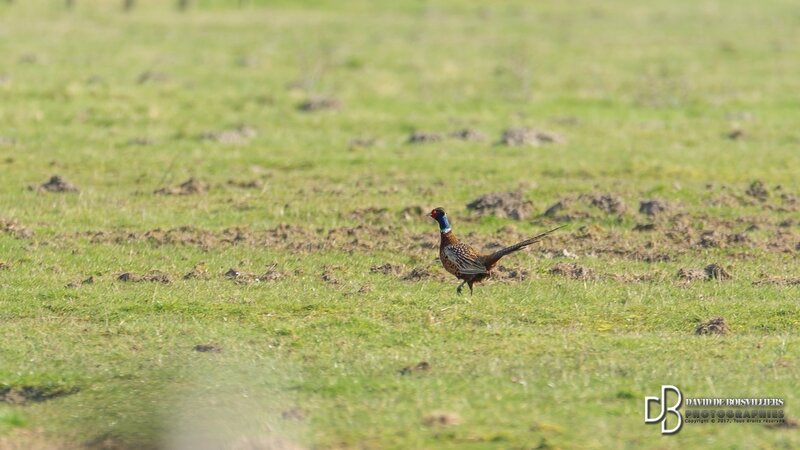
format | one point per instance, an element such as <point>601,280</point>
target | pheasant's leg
<point>460,286</point>
<point>470,288</point>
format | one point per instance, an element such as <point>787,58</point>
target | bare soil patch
<point>716,325</point>
<point>154,276</point>
<point>609,204</point>
<point>246,184</point>
<point>691,274</point>
<point>15,229</point>
<point>758,190</point>
<point>716,272</point>
<point>422,137</point>
<point>512,205</point>
<point>207,348</point>
<point>189,187</point>
<point>441,419</point>
<point>516,137</point>
<point>57,183</point>
<point>777,281</point>
<point>417,274</point>
<point>387,269</point>
<point>33,394</point>
<point>77,284</point>
<point>572,270</point>
<point>271,274</point>
<point>422,366</point>
<point>710,272</point>
<point>329,276</point>
<point>653,207</point>
<point>469,134</point>
<point>503,273</point>
<point>198,272</point>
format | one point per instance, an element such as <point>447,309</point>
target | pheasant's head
<point>440,216</point>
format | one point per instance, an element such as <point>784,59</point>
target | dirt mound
<point>329,276</point>
<point>555,208</point>
<point>27,394</point>
<point>421,137</point>
<point>512,205</point>
<point>758,190</point>
<point>15,229</point>
<point>572,270</point>
<point>710,272</point>
<point>152,277</point>
<point>234,136</point>
<point>716,272</point>
<point>653,207</point>
<point>250,184</point>
<point>189,187</point>
<point>417,274</point>
<point>469,134</point>
<point>207,348</point>
<point>198,272</point>
<point>75,284</point>
<point>441,419</point>
<point>609,204</point>
<point>57,183</point>
<point>736,134</point>
<point>711,239</point>
<point>504,273</point>
<point>320,104</point>
<point>717,325</point>
<point>515,137</point>
<point>691,274</point>
<point>387,269</point>
<point>422,366</point>
<point>777,281</point>
<point>271,274</point>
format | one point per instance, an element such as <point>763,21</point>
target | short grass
<point>644,93</point>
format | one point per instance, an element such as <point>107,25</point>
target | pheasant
<point>463,261</point>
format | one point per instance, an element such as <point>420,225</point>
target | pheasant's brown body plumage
<point>463,261</point>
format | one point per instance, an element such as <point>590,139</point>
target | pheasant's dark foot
<point>458,289</point>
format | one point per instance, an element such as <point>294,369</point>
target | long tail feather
<point>489,260</point>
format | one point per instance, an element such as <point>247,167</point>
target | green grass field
<point>684,102</point>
